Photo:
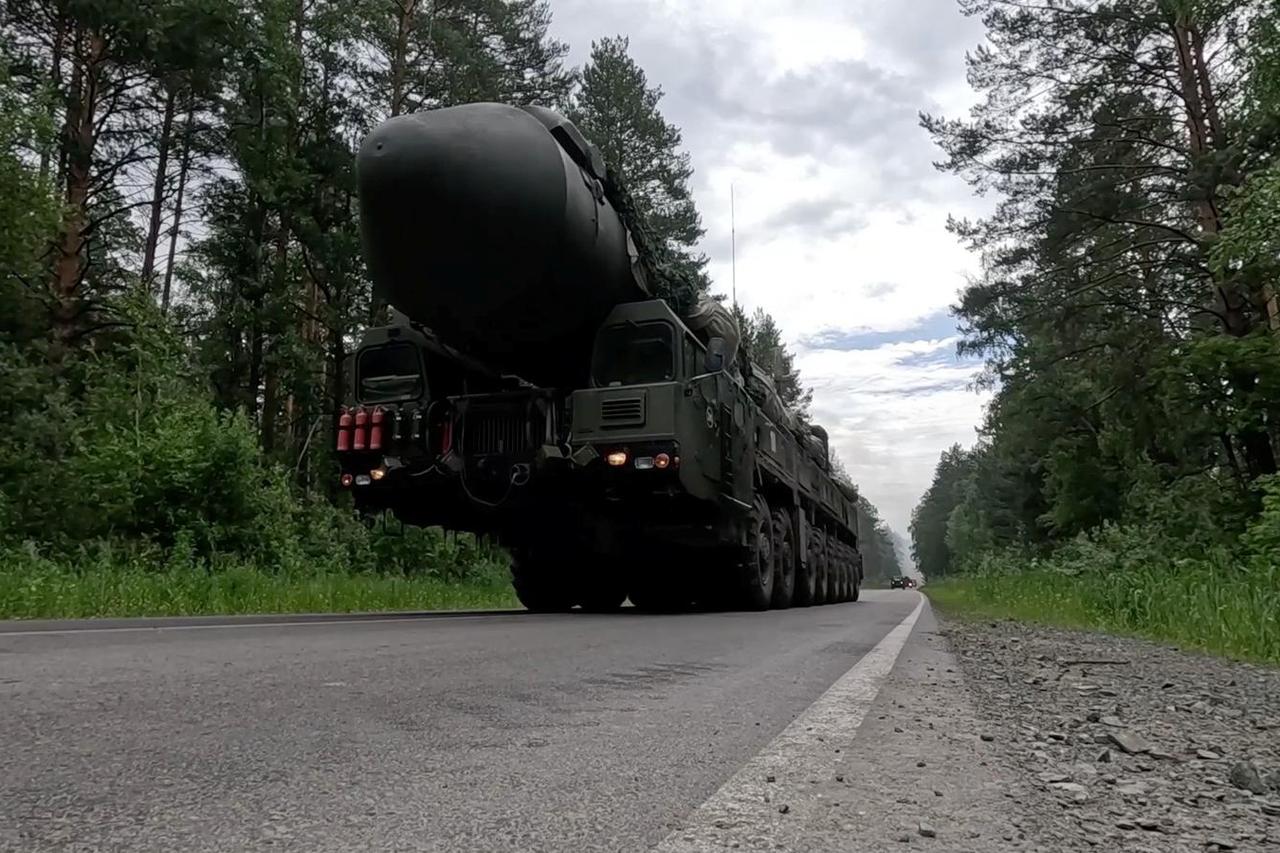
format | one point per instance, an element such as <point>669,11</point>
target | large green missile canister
<point>489,224</point>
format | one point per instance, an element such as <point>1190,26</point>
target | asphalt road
<point>487,732</point>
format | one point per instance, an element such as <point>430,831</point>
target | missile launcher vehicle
<point>533,387</point>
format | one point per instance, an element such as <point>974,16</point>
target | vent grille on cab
<point>622,411</point>
<point>495,431</point>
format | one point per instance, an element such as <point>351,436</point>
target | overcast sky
<point>809,109</point>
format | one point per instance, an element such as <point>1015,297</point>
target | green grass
<point>1230,611</point>
<point>59,593</point>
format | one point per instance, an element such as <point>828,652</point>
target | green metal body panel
<point>703,415</point>
<point>729,449</point>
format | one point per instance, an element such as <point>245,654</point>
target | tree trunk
<point>1195,86</point>
<point>1258,452</point>
<point>1207,97</point>
<point>157,190</point>
<point>399,55</point>
<point>79,138</point>
<point>1197,125</point>
<point>1271,307</point>
<point>256,292</point>
<point>1228,447</point>
<point>1205,131</point>
<point>336,381</point>
<point>337,363</point>
<point>174,230</point>
<point>297,417</point>
<point>256,340</point>
<point>270,394</point>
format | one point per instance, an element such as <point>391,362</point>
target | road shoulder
<point>1127,744</point>
<point>903,765</point>
<point>923,776</point>
<point>1002,736</point>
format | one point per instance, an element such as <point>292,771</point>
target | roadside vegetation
<point>109,584</point>
<point>1200,605</point>
<point>1126,473</point>
<point>181,284</point>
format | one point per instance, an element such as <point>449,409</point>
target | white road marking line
<point>745,812</point>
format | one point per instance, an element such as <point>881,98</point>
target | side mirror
<point>715,355</point>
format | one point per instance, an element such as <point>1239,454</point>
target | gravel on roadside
<point>1126,744</point>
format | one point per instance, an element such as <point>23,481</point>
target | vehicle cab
<point>396,421</point>
<point>654,417</point>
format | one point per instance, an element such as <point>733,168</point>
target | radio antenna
<point>733,246</point>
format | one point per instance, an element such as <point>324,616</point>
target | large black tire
<point>832,551</point>
<point>784,561</point>
<point>542,583</point>
<point>857,577</point>
<point>842,574</point>
<point>714,580</point>
<point>806,577</point>
<point>818,553</point>
<point>756,567</point>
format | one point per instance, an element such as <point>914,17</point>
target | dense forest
<point>1126,306</point>
<point>180,270</point>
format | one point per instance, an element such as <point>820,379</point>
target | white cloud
<point>810,110</point>
<point>886,271</point>
<point>889,411</point>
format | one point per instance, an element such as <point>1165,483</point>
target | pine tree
<point>875,542</point>
<point>770,352</point>
<point>281,273</point>
<point>28,212</point>
<point>1250,242</point>
<point>930,518</point>
<point>192,43</point>
<point>424,54</point>
<point>617,109</point>
<point>762,343</point>
<point>109,75</point>
<point>94,59</point>
<point>1124,359</point>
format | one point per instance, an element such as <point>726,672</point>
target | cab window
<point>634,354</point>
<point>390,372</point>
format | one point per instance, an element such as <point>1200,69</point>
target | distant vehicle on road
<point>902,582</point>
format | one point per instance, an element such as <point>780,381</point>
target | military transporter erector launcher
<point>531,386</point>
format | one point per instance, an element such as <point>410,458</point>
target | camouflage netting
<point>659,265</point>
<point>763,391</point>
